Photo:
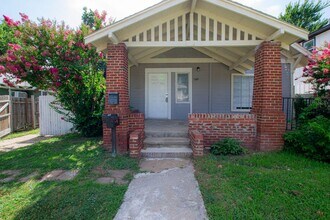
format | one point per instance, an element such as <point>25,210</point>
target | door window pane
<point>182,88</point>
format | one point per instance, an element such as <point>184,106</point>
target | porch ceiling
<point>222,30</point>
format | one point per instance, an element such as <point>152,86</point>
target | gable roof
<point>253,18</point>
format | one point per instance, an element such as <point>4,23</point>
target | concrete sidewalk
<point>15,143</point>
<point>171,192</point>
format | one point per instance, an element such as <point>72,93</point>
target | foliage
<point>318,70</point>
<point>81,198</point>
<point>312,139</point>
<point>52,56</point>
<point>299,105</point>
<point>307,14</point>
<point>277,185</point>
<point>319,107</point>
<point>94,20</point>
<point>6,36</point>
<point>227,146</point>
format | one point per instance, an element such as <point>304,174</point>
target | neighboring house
<point>216,63</point>
<point>316,39</point>
<point>23,89</point>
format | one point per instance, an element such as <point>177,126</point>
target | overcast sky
<point>70,11</point>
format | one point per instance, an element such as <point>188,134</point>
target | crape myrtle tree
<point>52,56</point>
<point>318,71</point>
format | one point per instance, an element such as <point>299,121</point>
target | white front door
<point>157,95</point>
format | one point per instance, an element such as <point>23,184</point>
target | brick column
<point>117,81</point>
<point>267,97</point>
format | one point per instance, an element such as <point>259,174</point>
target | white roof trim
<point>260,16</point>
<point>163,5</point>
<point>227,4</point>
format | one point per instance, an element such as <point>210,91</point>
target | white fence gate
<point>51,122</point>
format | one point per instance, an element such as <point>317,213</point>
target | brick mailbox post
<point>117,82</point>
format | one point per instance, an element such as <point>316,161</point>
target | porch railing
<point>292,107</point>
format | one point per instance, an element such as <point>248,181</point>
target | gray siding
<point>220,89</point>
<point>211,88</point>
<point>286,79</point>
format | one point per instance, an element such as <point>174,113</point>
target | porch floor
<point>166,126</point>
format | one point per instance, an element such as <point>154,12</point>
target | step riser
<point>166,145</point>
<point>166,134</point>
<point>166,155</point>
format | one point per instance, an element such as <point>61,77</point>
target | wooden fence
<point>18,113</point>
<point>51,122</point>
<point>5,116</point>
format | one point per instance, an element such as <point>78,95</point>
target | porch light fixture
<point>198,69</point>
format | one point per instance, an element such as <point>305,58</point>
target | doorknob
<point>166,98</point>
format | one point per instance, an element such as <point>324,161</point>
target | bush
<point>312,139</point>
<point>228,146</point>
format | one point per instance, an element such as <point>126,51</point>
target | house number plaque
<point>113,98</point>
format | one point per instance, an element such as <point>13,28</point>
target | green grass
<point>264,186</point>
<point>81,198</point>
<point>20,134</point>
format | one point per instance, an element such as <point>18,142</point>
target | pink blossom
<point>28,65</point>
<point>17,33</point>
<point>15,47</point>
<point>58,84</point>
<point>24,17</point>
<point>325,71</point>
<point>2,69</point>
<point>101,55</point>
<point>5,80</point>
<point>10,21</point>
<point>53,70</point>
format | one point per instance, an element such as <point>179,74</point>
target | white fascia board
<point>164,5</point>
<point>264,18</point>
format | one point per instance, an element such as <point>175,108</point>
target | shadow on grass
<point>72,200</point>
<point>81,198</point>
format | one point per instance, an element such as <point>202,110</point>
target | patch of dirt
<point>106,176</point>
<point>159,165</point>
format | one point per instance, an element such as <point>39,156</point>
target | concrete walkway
<point>15,143</point>
<point>171,192</point>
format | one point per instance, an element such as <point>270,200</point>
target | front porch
<point>220,66</point>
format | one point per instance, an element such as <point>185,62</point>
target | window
<point>182,88</point>
<point>309,45</point>
<point>242,92</point>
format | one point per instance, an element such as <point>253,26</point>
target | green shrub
<point>312,139</point>
<point>228,146</point>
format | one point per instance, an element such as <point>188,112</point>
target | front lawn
<point>264,186</point>
<point>80,198</point>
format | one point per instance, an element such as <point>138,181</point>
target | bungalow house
<point>217,65</point>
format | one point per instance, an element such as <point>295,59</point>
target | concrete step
<point>157,133</point>
<point>165,152</point>
<point>170,142</point>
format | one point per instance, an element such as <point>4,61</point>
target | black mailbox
<point>113,98</point>
<point>112,120</point>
